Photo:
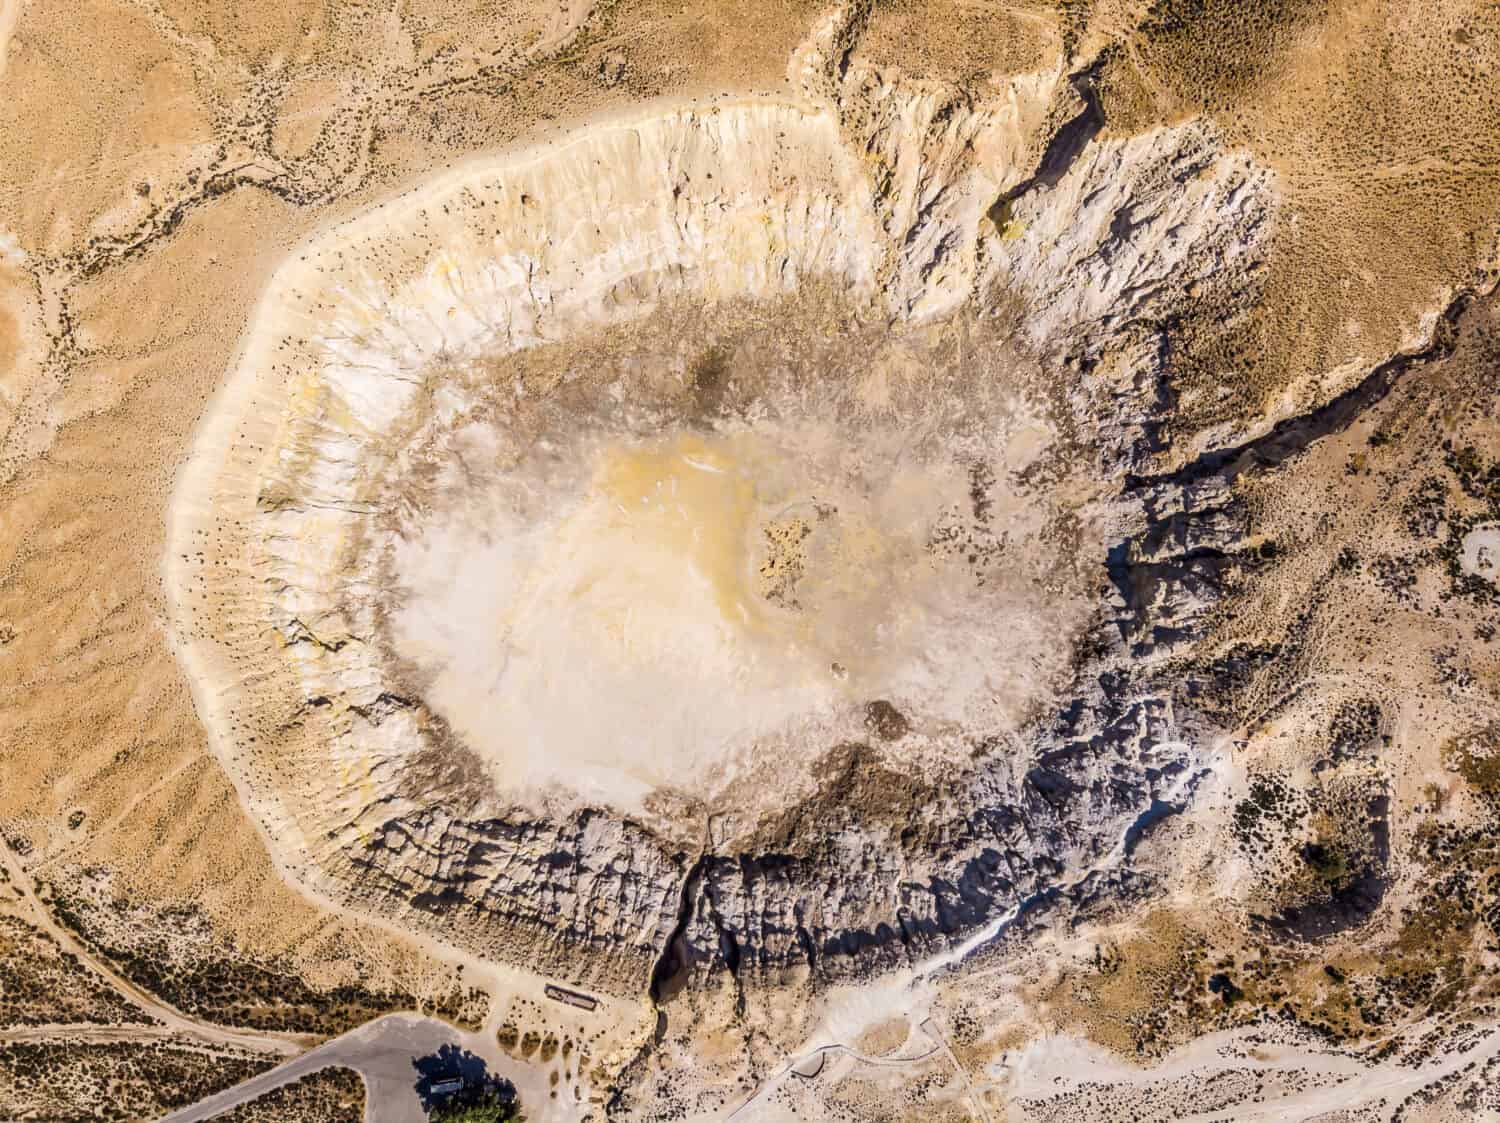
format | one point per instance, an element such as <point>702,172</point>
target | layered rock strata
<point>797,445</point>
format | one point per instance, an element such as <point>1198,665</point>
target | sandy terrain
<point>926,557</point>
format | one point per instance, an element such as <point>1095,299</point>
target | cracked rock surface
<point>839,562</point>
<point>950,499</point>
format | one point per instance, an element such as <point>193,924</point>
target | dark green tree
<point>489,1106</point>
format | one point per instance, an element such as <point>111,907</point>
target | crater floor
<point>868,561</point>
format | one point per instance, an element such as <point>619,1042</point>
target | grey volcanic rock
<point>1010,251</point>
<point>914,575</point>
<point>584,891</point>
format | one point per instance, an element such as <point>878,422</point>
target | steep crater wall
<point>689,546</point>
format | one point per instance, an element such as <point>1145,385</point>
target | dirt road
<point>286,1044</point>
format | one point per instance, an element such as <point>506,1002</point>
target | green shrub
<point>491,1107</point>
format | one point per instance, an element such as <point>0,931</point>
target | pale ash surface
<point>382,1052</point>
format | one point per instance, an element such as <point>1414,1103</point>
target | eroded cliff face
<point>710,544</point>
<point>883,572</point>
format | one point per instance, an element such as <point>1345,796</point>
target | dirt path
<point>1390,1084</point>
<point>189,760</point>
<point>1057,1066</point>
<point>90,1034</point>
<point>802,1063</point>
<point>257,1041</point>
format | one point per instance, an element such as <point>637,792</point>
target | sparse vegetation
<point>177,957</point>
<point>331,1095</point>
<point>1264,398</point>
<point>41,984</point>
<point>73,1082</point>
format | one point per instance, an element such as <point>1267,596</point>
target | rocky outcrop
<point>918,205</point>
